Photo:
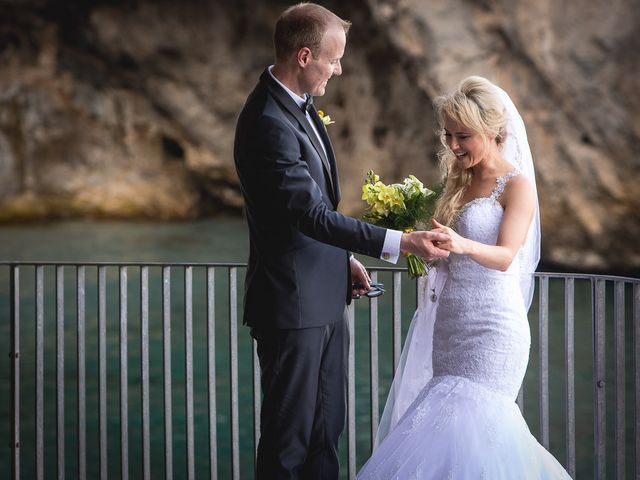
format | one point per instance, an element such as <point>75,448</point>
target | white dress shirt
<point>391,246</point>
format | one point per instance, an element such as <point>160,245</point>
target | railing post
<point>569,378</point>
<point>256,401</point>
<point>620,424</point>
<point>599,375</point>
<point>543,349</point>
<point>14,356</point>
<point>233,351</point>
<point>397,319</point>
<point>636,370</point>
<point>124,377</point>
<point>80,351</point>
<point>39,372</point>
<point>166,369</point>
<point>188,374</point>
<point>211,372</point>
<point>60,370</point>
<point>351,395</point>
<point>102,362</point>
<point>373,348</point>
<point>144,367</point>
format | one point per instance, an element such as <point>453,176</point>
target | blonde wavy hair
<point>475,105</point>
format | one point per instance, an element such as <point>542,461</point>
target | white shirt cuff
<point>391,247</point>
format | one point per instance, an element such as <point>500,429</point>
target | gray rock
<point>118,109</point>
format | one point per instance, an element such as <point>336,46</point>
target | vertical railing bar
<point>144,350</point>
<point>636,370</point>
<point>543,349</point>
<point>39,372</point>
<point>81,354</point>
<point>188,347</point>
<point>373,348</point>
<point>256,401</point>
<point>60,371</point>
<point>599,377</point>
<point>124,374</point>
<point>15,371</point>
<point>397,318</point>
<point>211,372</point>
<point>620,425</point>
<point>166,369</point>
<point>569,376</point>
<point>233,351</point>
<point>351,395</point>
<point>102,353</point>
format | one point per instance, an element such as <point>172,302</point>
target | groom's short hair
<point>303,25</point>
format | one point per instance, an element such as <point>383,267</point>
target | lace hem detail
<point>459,429</point>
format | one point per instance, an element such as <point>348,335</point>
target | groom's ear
<point>304,57</point>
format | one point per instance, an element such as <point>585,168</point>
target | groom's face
<point>326,64</point>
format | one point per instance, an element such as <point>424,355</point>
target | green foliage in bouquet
<point>402,206</point>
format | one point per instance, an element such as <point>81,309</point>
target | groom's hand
<point>423,244</point>
<point>359,276</point>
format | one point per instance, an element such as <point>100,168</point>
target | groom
<point>300,272</point>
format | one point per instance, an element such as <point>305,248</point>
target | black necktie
<point>307,103</point>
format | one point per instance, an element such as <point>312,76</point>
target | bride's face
<point>469,147</point>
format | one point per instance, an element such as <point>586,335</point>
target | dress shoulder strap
<point>501,182</point>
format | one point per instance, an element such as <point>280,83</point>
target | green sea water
<point>223,240</point>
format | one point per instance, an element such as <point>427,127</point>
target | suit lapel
<point>287,103</point>
<point>332,158</point>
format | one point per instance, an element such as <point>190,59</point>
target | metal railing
<point>153,314</point>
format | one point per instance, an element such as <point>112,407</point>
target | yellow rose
<point>326,119</point>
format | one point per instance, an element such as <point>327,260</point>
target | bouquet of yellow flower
<point>401,206</point>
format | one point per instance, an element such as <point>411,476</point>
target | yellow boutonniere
<point>326,119</point>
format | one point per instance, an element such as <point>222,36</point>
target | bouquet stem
<point>416,266</point>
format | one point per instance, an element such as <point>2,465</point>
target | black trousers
<point>304,385</point>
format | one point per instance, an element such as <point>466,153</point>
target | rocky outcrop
<point>127,109</point>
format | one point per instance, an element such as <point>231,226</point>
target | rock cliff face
<point>127,109</point>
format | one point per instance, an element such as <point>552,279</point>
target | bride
<point>451,412</point>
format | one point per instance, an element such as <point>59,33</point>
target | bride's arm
<point>519,205</point>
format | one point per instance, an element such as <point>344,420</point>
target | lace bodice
<point>480,220</point>
<point>481,330</point>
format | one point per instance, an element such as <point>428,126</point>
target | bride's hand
<point>455,243</point>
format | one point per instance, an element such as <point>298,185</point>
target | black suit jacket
<point>298,272</point>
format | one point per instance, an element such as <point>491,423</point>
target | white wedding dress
<point>464,423</point>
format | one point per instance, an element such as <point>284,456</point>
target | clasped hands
<point>432,244</point>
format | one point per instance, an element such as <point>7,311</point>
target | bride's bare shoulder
<point>519,193</point>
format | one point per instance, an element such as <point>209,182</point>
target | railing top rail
<point>123,264</point>
<point>587,276</point>
<point>581,276</point>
